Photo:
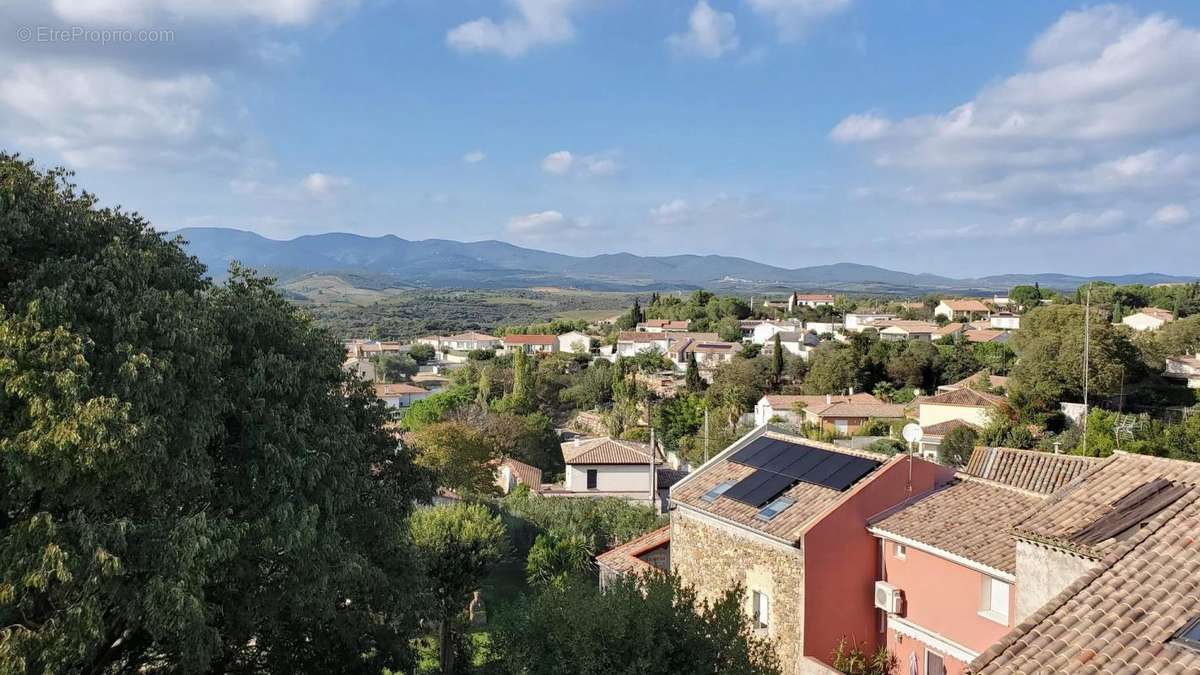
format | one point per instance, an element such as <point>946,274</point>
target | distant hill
<point>393,262</point>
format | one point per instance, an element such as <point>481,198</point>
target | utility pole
<point>1087,335</point>
<point>706,434</point>
<point>653,473</point>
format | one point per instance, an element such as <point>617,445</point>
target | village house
<point>901,330</point>
<point>609,467</point>
<point>997,336</point>
<point>1005,321</point>
<point>1185,368</point>
<point>1148,318</point>
<point>362,368</point>
<point>961,310</point>
<point>400,395</point>
<point>1106,574</point>
<point>531,344</point>
<point>843,414</point>
<point>462,342</point>
<point>709,353</point>
<point>822,327</point>
<point>948,583</point>
<point>431,381</point>
<point>978,381</point>
<point>632,343</point>
<point>786,519</point>
<point>856,322</point>
<point>966,404</point>
<point>647,554</point>
<point>796,343</point>
<point>368,349</point>
<point>809,300</point>
<point>663,326</point>
<point>575,342</point>
<point>765,330</point>
<point>511,472</point>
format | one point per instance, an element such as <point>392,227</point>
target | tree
<point>395,367</point>
<point>653,625</point>
<point>556,557</point>
<point>1026,297</point>
<point>692,380</point>
<point>592,388</point>
<point>1050,367</point>
<point>528,438</point>
<point>459,455</point>
<point>188,479</point>
<point>831,371</point>
<point>957,446</point>
<point>459,545</point>
<point>422,353</point>
<point>729,329</point>
<point>777,361</point>
<point>436,407</point>
<point>630,319</point>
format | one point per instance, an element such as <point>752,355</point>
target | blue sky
<point>960,138</point>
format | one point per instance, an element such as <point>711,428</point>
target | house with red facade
<point>786,518</point>
<point>948,574</point>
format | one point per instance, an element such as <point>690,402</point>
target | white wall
<point>931,413</point>
<point>1043,573</point>
<point>1142,322</point>
<point>610,477</point>
<point>1006,322</point>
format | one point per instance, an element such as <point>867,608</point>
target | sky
<point>954,137</point>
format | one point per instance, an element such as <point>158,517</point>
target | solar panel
<point>780,464</point>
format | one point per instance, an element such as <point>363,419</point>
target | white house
<point>531,343</point>
<point>663,326</point>
<point>765,330</point>
<point>1005,321</point>
<point>1148,318</point>
<point>822,327</point>
<point>399,395</point>
<point>610,467</point>
<point>631,343</point>
<point>961,309</point>
<point>1186,368</point>
<point>855,322</point>
<point>898,331</point>
<point>709,353</point>
<point>510,473</point>
<point>796,343</point>
<point>967,405</point>
<point>575,342</point>
<point>810,300</point>
<point>471,341</point>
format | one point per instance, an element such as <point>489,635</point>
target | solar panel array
<point>781,464</point>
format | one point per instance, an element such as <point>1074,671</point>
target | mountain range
<point>392,262</point>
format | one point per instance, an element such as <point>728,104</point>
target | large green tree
<point>652,626</point>
<point>188,479</point>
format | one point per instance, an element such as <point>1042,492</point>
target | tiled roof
<point>968,397</point>
<point>526,474</point>
<point>809,500</point>
<point>970,381</point>
<point>624,558</point>
<point>855,410</point>
<point>949,329</point>
<point>969,518</point>
<point>478,337</point>
<point>813,297</point>
<point>943,428</point>
<point>1155,312</point>
<point>786,402</point>
<point>966,305</point>
<point>1091,496</point>
<point>1041,472</point>
<point>530,339</point>
<point>711,347</point>
<point>1120,618</point>
<point>400,389</point>
<point>919,327</point>
<point>606,450</point>
<point>643,336</point>
<point>987,335</point>
<point>665,324</point>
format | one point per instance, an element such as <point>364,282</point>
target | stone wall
<point>713,557</point>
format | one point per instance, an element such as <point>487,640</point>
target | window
<point>934,663</point>
<point>760,609</point>
<point>900,551</point>
<point>993,599</point>
<point>716,491</point>
<point>1189,635</point>
<point>774,508</point>
<point>842,426</point>
<point>591,479</point>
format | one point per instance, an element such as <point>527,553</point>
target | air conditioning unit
<point>889,598</point>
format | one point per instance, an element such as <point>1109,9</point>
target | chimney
<point>828,398</point>
<point>851,391</point>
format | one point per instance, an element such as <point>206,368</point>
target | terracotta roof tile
<point>968,518</point>
<point>1123,616</point>
<point>966,305</point>
<point>530,339</point>
<point>968,397</point>
<point>526,474</point>
<point>606,450</point>
<point>1032,470</point>
<point>398,389</point>
<point>943,428</point>
<point>624,558</point>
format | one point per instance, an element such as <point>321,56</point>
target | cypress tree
<point>777,360</point>
<point>693,381</point>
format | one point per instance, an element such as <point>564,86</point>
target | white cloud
<point>863,127</point>
<point>558,163</point>
<point>474,157</point>
<point>538,222</point>
<point>551,229</point>
<point>565,162</point>
<point>141,13</point>
<point>535,23</point>
<point>1171,215</point>
<point>323,185</point>
<point>670,213</point>
<point>793,18</point>
<point>710,33</point>
<point>100,116</point>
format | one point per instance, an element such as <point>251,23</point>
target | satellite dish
<point>912,432</point>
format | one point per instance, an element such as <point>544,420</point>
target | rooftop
<point>1160,314</point>
<point>1041,472</point>
<point>606,450</point>
<point>965,305</point>
<point>530,339</point>
<point>967,397</point>
<point>1124,616</point>
<point>626,557</point>
<point>399,389</point>
<point>469,336</point>
<point>969,518</point>
<point>808,500</point>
